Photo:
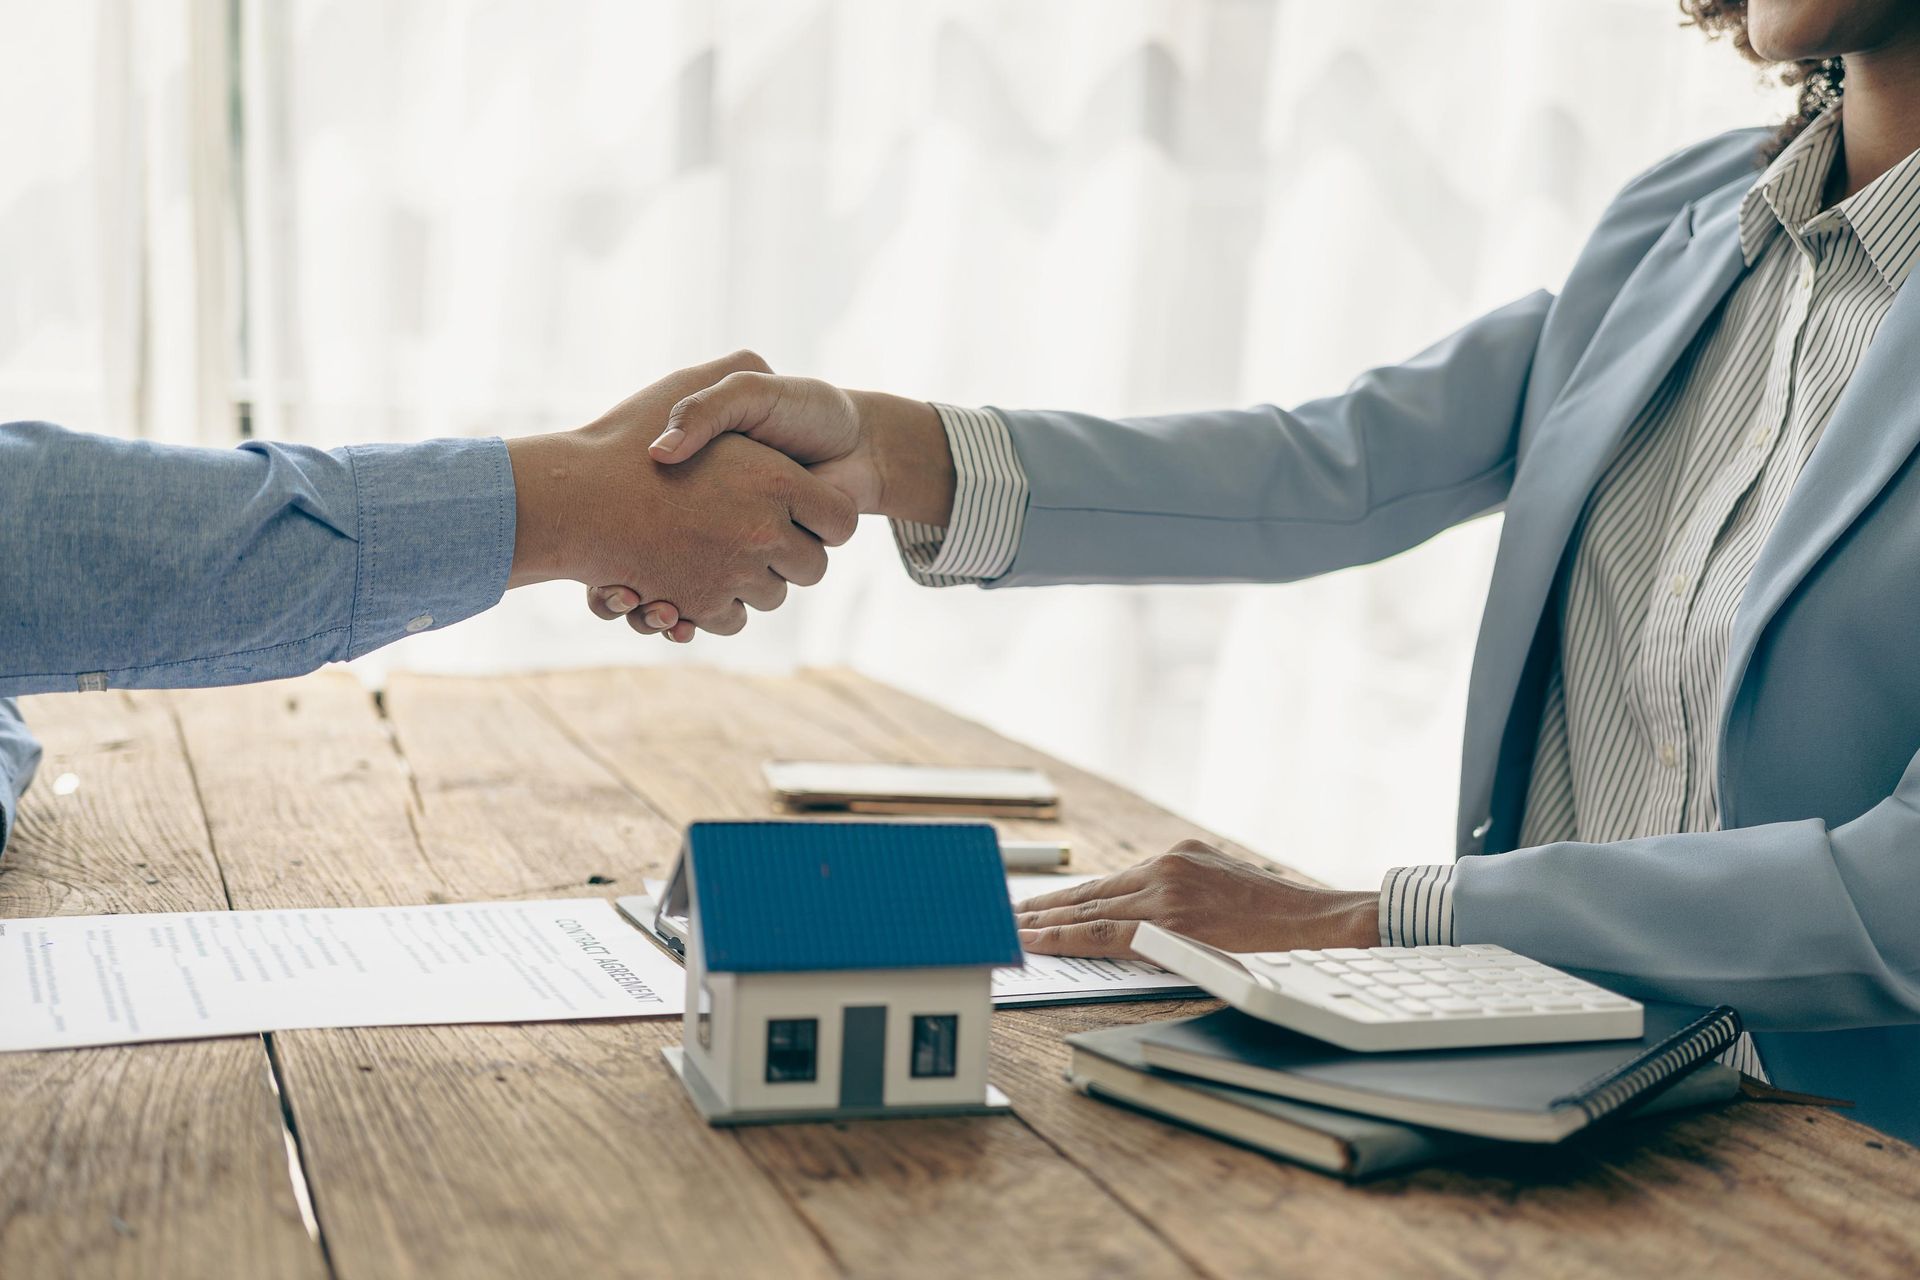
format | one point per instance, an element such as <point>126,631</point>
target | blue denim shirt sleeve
<point>133,565</point>
<point>19,757</point>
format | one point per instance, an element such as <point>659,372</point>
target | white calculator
<point>1377,999</point>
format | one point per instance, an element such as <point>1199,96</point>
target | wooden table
<point>567,1150</point>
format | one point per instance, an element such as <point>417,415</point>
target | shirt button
<point>1758,440</point>
<point>1679,584</point>
<point>420,623</point>
<point>1668,755</point>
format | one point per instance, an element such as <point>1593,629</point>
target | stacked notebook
<point>1363,1114</point>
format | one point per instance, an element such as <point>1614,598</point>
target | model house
<point>841,969</point>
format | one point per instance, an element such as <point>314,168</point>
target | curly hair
<point>1820,81</point>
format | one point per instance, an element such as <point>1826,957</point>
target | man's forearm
<point>135,565</point>
<point>542,467</point>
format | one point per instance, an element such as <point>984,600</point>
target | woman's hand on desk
<point>1196,890</point>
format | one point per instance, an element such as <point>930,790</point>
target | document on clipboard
<point>1043,980</point>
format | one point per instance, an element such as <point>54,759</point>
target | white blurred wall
<point>445,218</point>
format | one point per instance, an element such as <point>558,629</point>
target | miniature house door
<point>863,1056</point>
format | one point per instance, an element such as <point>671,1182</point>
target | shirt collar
<point>1885,214</point>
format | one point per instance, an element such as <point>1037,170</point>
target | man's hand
<point>1199,891</point>
<point>732,530</point>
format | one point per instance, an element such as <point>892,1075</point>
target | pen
<point>1034,855</point>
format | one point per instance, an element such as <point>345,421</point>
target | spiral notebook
<point>1535,1093</point>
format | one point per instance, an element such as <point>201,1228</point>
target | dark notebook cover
<point>1543,1083</point>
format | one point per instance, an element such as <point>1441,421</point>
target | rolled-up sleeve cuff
<point>1416,907</point>
<point>435,522</point>
<point>989,506</point>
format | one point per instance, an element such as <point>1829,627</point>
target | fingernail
<point>670,439</point>
<point>658,618</point>
<point>621,602</point>
<point>1029,935</point>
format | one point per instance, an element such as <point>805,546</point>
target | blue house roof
<point>793,896</point>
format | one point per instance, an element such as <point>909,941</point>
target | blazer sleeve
<point>1800,927</point>
<point>1269,494</point>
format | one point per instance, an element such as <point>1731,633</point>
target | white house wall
<point>723,1029</point>
<point>758,997</point>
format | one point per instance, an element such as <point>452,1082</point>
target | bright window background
<point>341,220</point>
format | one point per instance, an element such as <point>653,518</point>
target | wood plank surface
<point>887,1198</point>
<point>1648,1196</point>
<point>145,1160</point>
<point>1769,1189</point>
<point>556,1149</point>
<point>538,1150</point>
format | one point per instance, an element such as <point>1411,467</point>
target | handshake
<point>715,489</point>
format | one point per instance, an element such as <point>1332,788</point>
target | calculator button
<point>1331,967</point>
<point>1370,966</point>
<point>1392,952</point>
<point>1486,949</point>
<point>1399,979</point>
<point>1274,957</point>
<point>1350,1006</point>
<point>1423,990</point>
<point>1360,979</point>
<point>1451,1004</point>
<point>1344,953</point>
<point>1432,950</point>
<point>1418,1008</point>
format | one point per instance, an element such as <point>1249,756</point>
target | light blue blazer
<point>1804,912</point>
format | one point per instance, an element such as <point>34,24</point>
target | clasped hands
<point>717,487</point>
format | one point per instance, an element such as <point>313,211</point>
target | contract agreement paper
<point>1039,980</point>
<point>83,980</point>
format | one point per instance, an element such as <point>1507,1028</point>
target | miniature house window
<point>704,1024</point>
<point>935,1036</point>
<point>790,1049</point>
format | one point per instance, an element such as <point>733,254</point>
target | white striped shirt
<point>1628,743</point>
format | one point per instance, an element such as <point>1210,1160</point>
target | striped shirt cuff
<point>989,506</point>
<point>1416,907</point>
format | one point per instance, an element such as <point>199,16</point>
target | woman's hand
<point>887,453</point>
<point>1200,892</point>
